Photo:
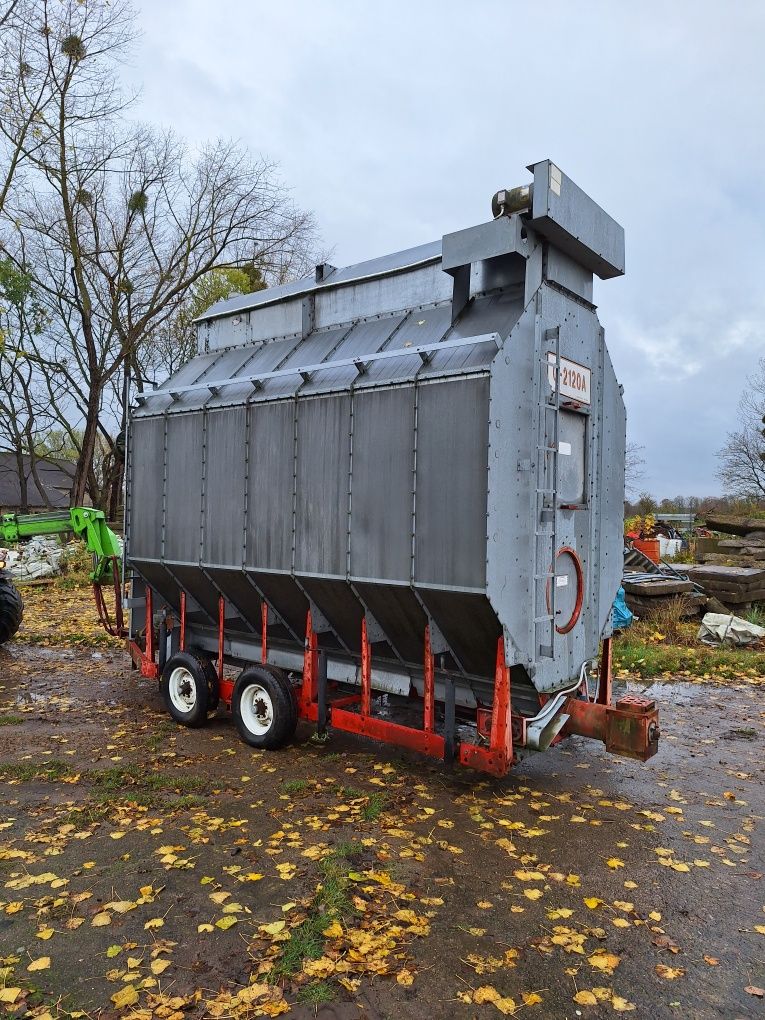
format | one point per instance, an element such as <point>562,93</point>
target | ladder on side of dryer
<point>546,491</point>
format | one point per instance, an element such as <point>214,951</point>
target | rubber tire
<point>213,687</point>
<point>198,667</point>
<point>11,608</point>
<point>284,723</point>
<point>280,675</point>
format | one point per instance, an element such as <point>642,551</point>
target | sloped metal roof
<point>385,265</point>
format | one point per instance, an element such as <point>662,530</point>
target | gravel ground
<point>149,870</point>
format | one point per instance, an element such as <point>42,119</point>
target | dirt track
<point>436,894</point>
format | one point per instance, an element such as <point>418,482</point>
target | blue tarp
<point>621,616</point>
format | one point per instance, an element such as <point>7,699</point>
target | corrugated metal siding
<point>383,475</point>
<point>322,467</point>
<point>182,533</point>
<point>452,456</point>
<point>147,443</point>
<point>225,460</point>
<point>271,480</point>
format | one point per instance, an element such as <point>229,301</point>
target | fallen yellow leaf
<point>669,973</point>
<point>585,998</point>
<point>126,996</point>
<point>41,963</point>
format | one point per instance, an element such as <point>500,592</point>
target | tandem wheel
<point>264,707</point>
<point>189,688</point>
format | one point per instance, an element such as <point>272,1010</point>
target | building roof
<point>55,477</point>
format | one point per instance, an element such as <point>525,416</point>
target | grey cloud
<point>396,123</point>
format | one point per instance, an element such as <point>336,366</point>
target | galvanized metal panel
<point>322,478</point>
<point>394,264</point>
<point>270,486</point>
<point>572,457</point>
<point>475,642</point>
<point>342,609</point>
<point>390,293</point>
<point>182,534</point>
<point>147,442</point>
<point>281,592</point>
<point>225,474</point>
<point>424,326</point>
<point>369,336</point>
<point>451,480</point>
<point>381,487</point>
<point>574,223</point>
<point>475,441</point>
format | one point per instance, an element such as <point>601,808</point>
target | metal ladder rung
<point>542,619</point>
<point>543,577</point>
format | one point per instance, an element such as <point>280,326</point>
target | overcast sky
<point>396,122</point>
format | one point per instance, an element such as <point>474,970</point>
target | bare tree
<point>742,458</point>
<point>25,411</point>
<point>634,467</point>
<point>120,222</point>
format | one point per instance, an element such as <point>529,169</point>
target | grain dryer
<point>391,496</point>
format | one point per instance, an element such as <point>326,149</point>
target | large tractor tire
<point>11,609</point>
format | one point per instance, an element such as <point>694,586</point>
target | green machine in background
<point>85,523</point>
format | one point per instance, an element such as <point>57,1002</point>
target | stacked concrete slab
<point>744,548</point>
<point>646,593</point>
<point>736,587</point>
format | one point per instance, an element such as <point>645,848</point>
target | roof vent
<point>323,270</point>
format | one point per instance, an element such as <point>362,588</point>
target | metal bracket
<point>319,623</point>
<point>375,632</point>
<point>547,724</point>
<point>438,642</point>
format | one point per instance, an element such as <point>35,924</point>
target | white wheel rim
<point>256,709</point>
<point>183,689</point>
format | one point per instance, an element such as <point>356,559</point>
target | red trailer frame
<point>630,727</point>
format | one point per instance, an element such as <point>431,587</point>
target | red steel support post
<point>221,635</point>
<point>149,625</point>
<point>366,670</point>
<point>501,739</point>
<point>429,685</point>
<point>309,689</point>
<point>498,757</point>
<point>264,631</point>
<point>182,641</point>
<point>605,674</point>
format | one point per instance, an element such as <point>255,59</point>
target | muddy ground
<point>147,870</point>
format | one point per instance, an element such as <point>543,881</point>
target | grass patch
<point>117,781</point>
<point>316,994</point>
<point>351,792</point>
<point>158,738</point>
<point>330,901</point>
<point>27,772</point>
<point>11,720</point>
<point>647,651</point>
<point>187,801</point>
<point>375,802</point>
<point>374,807</point>
<point>295,786</point>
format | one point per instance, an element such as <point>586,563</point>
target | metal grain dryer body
<point>393,494</point>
